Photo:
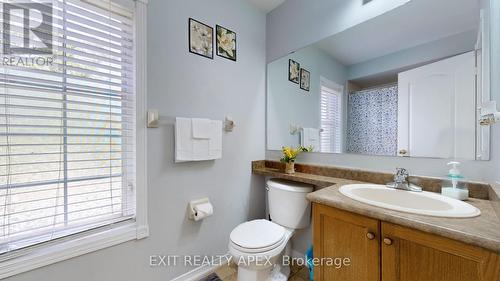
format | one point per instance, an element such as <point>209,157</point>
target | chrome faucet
<point>401,181</point>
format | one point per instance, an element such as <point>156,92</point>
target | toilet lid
<point>257,234</point>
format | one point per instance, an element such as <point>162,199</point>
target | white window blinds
<point>331,119</point>
<point>67,127</point>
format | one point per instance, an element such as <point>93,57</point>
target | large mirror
<point>407,83</point>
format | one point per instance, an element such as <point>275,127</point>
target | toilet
<point>257,246</point>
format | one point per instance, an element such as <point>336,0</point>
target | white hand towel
<point>189,148</point>
<point>183,140</point>
<point>310,137</point>
<point>302,137</point>
<point>215,144</point>
<point>201,128</point>
<point>313,134</point>
<point>201,150</point>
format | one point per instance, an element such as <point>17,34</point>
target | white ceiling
<point>266,5</point>
<point>413,24</point>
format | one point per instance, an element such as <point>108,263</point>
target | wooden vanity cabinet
<point>388,252</point>
<point>412,255</point>
<point>339,235</point>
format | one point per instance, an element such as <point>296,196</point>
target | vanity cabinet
<point>339,235</point>
<point>412,255</point>
<point>387,252</point>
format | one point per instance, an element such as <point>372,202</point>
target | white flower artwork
<point>305,79</point>
<point>200,39</point>
<point>293,71</point>
<point>226,43</point>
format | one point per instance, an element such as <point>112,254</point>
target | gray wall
<point>287,103</point>
<point>298,23</point>
<point>291,40</point>
<point>413,57</point>
<point>182,84</point>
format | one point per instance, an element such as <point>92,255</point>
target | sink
<point>421,203</point>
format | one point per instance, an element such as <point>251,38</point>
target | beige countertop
<point>482,231</point>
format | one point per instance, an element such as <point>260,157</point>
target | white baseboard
<point>200,272</point>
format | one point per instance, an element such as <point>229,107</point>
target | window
<point>331,117</point>
<point>67,125</point>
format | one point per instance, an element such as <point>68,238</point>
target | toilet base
<point>279,273</point>
<point>276,273</point>
<point>246,274</point>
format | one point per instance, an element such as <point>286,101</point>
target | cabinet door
<point>411,255</point>
<point>340,234</point>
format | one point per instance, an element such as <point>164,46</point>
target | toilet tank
<point>287,203</point>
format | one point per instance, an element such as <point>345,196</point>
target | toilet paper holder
<point>200,209</point>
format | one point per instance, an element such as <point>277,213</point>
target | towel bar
<point>294,129</point>
<point>153,119</point>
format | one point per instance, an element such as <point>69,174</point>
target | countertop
<point>482,231</point>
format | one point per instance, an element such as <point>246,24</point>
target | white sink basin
<point>422,203</point>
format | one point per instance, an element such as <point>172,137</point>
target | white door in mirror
<point>441,94</point>
<point>421,203</point>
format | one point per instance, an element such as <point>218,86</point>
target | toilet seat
<point>257,236</point>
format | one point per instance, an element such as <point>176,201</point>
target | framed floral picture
<point>293,71</point>
<point>225,43</point>
<point>201,39</point>
<point>305,79</point>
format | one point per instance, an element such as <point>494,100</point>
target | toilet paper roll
<point>203,210</point>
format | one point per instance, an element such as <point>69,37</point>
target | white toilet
<point>257,246</point>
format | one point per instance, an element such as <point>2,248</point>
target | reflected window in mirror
<point>331,117</point>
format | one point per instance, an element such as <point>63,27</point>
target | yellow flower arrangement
<point>290,154</point>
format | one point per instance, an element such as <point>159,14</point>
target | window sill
<point>72,248</point>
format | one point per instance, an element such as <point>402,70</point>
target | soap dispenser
<point>452,187</point>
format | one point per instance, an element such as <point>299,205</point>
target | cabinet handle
<point>387,241</point>
<point>370,236</point>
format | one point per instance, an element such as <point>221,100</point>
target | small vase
<point>290,168</point>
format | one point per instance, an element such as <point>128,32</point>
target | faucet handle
<point>401,175</point>
<point>401,171</point>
